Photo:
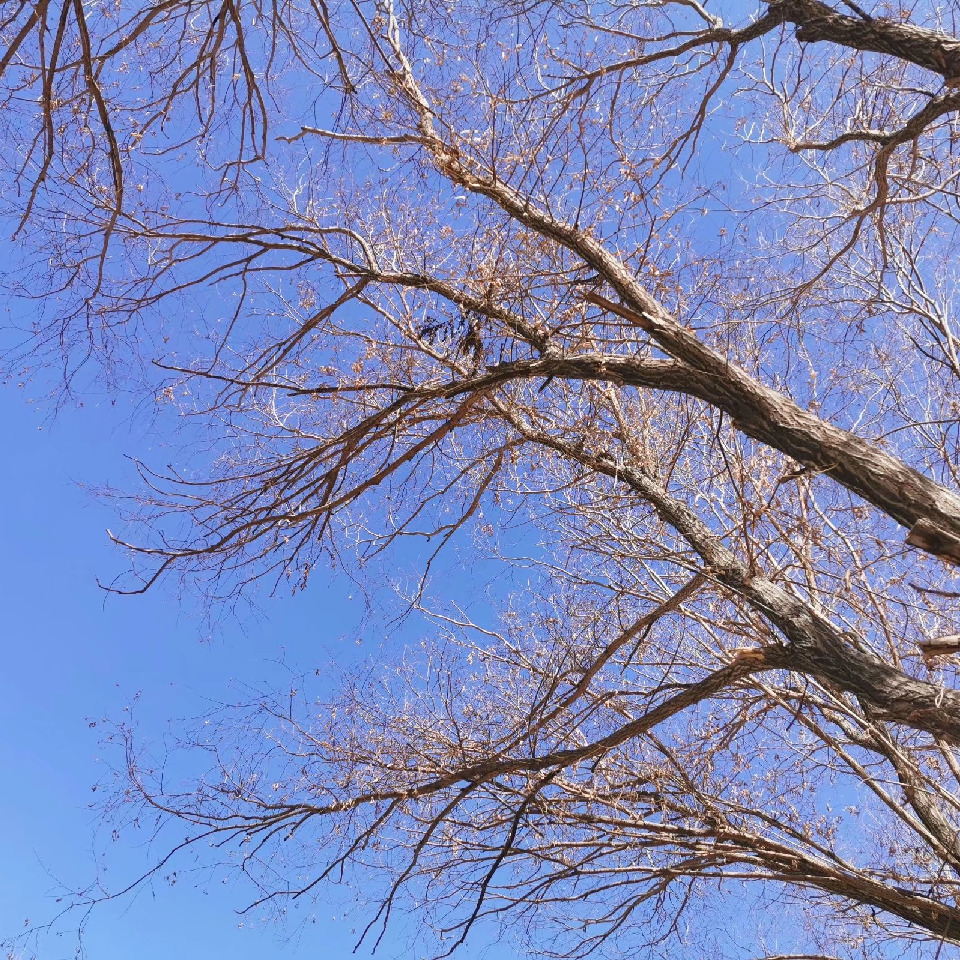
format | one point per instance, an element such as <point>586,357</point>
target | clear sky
<point>73,656</point>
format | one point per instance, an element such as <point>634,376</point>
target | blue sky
<point>74,656</point>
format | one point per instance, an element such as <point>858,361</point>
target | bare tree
<point>653,312</point>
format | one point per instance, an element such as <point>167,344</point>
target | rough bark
<point>930,511</point>
<point>815,645</point>
<point>816,22</point>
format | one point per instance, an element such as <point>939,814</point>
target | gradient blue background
<point>73,655</point>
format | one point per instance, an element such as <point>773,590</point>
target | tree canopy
<point>644,312</point>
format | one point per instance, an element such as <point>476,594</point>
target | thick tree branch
<point>817,22</point>
<point>816,647</point>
